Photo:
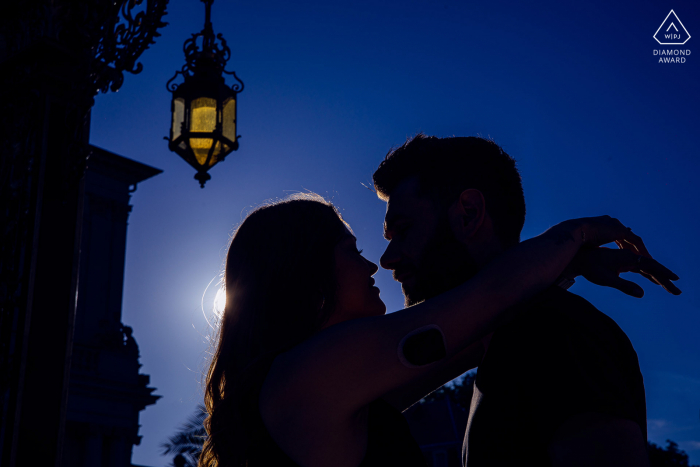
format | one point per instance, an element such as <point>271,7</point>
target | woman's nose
<point>373,268</point>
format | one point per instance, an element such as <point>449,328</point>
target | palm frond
<point>188,440</point>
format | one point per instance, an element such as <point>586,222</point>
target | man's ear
<point>467,214</point>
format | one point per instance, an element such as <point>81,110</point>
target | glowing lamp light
<point>203,129</point>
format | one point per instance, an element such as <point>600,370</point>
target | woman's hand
<point>597,231</point>
<point>602,266</point>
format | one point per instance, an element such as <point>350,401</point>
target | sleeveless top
<point>389,442</point>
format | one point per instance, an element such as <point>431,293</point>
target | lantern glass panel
<point>201,146</point>
<point>178,117</point>
<point>229,129</point>
<point>203,114</point>
<point>203,119</point>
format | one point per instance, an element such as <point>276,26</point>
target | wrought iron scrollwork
<point>213,49</point>
<point>238,86</point>
<point>126,36</point>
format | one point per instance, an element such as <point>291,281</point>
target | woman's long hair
<point>280,289</point>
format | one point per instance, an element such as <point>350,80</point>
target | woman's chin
<point>381,308</point>
<point>375,308</point>
<point>378,305</point>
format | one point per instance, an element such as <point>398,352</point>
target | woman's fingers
<point>625,286</point>
<point>604,265</point>
<point>633,241</point>
<point>658,273</point>
<point>655,272</point>
<point>629,246</point>
<point>636,257</point>
<point>605,229</point>
<point>653,267</point>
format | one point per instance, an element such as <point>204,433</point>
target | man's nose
<point>390,257</point>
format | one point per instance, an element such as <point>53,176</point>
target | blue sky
<point>571,90</point>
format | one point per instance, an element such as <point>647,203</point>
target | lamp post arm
<point>207,12</point>
<point>208,39</point>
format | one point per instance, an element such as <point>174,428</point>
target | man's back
<point>561,358</point>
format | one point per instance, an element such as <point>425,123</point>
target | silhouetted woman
<point>308,364</point>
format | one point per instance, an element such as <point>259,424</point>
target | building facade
<point>106,392</point>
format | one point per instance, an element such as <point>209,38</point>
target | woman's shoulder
<point>297,431</point>
<point>384,438</point>
<point>305,428</point>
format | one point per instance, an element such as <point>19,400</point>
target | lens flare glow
<point>220,301</point>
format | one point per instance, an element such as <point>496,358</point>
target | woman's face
<point>356,294</point>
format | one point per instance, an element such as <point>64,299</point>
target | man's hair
<point>445,167</point>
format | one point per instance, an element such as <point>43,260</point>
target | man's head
<point>452,205</point>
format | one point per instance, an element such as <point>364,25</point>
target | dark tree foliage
<point>187,442</point>
<point>669,457</point>
<point>459,391</point>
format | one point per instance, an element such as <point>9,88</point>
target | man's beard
<point>445,264</point>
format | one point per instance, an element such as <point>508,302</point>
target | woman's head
<point>292,269</point>
<point>278,276</point>
<point>355,293</point>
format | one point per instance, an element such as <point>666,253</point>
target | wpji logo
<point>672,31</point>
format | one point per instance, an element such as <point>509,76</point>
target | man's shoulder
<point>559,311</point>
<point>559,324</point>
<point>560,357</point>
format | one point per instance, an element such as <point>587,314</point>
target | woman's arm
<point>439,374</point>
<point>326,380</point>
<point>362,354</point>
<point>600,265</point>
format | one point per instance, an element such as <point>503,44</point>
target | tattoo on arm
<point>422,346</point>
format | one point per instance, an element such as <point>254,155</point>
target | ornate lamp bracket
<point>131,34</point>
<point>211,56</point>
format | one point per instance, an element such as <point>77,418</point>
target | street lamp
<point>203,129</point>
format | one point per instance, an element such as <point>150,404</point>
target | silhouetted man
<point>558,385</point>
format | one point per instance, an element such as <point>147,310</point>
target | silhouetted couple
<point>310,371</point>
